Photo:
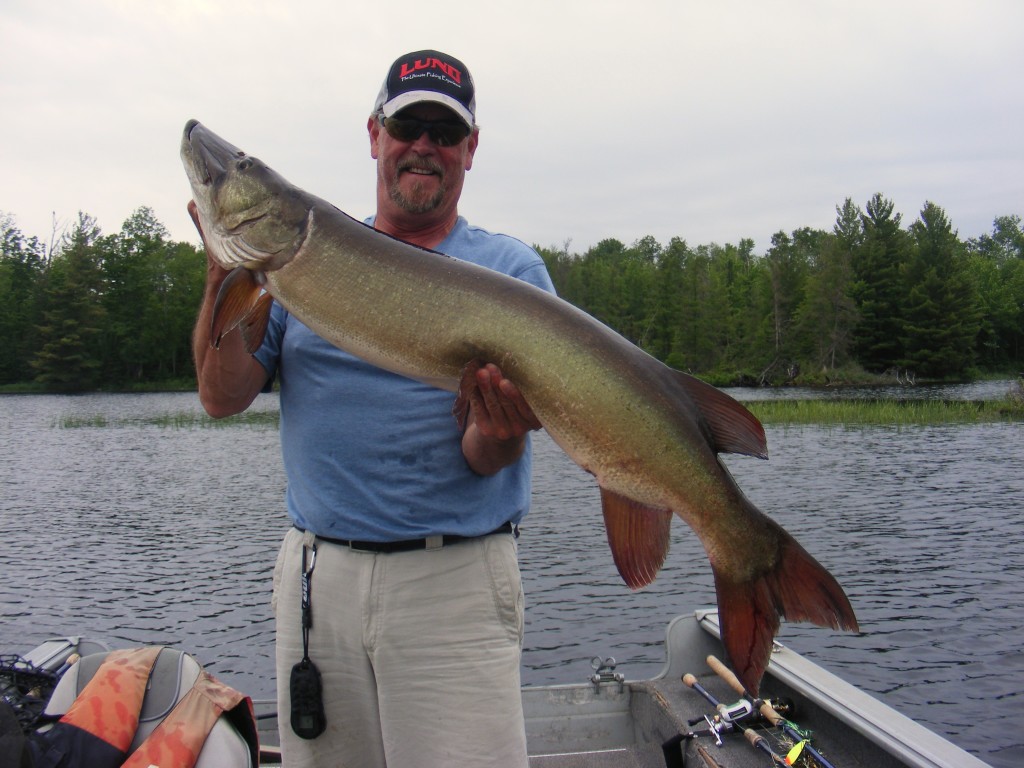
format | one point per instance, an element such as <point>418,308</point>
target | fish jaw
<point>249,215</point>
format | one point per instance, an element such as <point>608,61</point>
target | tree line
<point>91,311</point>
<point>868,297</point>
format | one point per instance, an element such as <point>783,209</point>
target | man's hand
<point>497,418</point>
<point>498,408</point>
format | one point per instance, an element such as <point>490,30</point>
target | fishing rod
<point>729,713</point>
<point>729,716</point>
<point>716,726</point>
<point>801,742</point>
<point>761,743</point>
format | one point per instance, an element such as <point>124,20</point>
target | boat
<point>692,713</point>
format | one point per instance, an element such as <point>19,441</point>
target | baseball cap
<point>428,76</point>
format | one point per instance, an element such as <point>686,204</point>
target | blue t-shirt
<point>374,456</point>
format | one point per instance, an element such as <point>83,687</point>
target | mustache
<point>419,164</point>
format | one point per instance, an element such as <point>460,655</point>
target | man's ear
<point>474,139</point>
<point>373,129</point>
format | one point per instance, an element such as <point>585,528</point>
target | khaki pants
<point>419,655</point>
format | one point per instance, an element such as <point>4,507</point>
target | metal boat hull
<point>625,723</point>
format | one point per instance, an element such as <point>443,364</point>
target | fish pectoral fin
<point>734,429</point>
<point>254,325</point>
<point>241,303</point>
<point>638,536</point>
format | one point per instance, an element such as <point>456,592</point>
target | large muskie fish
<point>649,434</point>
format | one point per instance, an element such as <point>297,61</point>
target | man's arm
<point>229,377</point>
<point>499,420</point>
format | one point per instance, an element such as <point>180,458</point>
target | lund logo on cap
<point>419,64</point>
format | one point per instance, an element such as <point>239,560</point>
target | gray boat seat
<point>173,675</point>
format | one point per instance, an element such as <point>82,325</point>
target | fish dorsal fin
<point>734,429</point>
<point>241,303</point>
<point>638,536</point>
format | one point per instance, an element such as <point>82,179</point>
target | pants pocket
<point>279,566</point>
<point>506,584</point>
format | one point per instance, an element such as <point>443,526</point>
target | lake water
<point>131,532</point>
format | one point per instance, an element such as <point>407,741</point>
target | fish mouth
<point>195,160</point>
<point>208,154</point>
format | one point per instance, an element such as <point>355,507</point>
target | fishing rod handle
<point>691,682</point>
<point>761,743</point>
<point>727,675</point>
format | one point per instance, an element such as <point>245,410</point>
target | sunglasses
<point>444,133</point>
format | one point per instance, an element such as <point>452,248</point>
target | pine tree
<point>21,267</point>
<point>941,317</point>
<point>69,358</point>
<point>878,286</point>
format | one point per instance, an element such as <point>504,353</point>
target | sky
<point>707,121</point>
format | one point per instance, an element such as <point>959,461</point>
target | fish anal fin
<point>734,429</point>
<point>796,588</point>
<point>240,302</point>
<point>638,536</point>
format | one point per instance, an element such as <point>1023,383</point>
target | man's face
<point>419,177</point>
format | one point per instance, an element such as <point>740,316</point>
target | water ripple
<point>135,533</point>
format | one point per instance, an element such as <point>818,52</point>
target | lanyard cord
<point>307,611</point>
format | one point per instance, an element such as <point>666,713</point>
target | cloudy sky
<point>707,120</point>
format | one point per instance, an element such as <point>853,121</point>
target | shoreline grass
<point>886,412</point>
<point>771,412</point>
<point>180,420</point>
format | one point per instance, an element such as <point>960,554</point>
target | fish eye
<point>245,163</point>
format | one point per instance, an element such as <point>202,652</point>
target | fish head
<point>249,215</point>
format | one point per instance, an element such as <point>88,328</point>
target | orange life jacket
<point>99,727</point>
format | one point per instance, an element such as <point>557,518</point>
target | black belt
<point>409,545</point>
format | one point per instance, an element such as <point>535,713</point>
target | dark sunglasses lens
<point>442,133</point>
<point>448,134</point>
<point>403,130</point>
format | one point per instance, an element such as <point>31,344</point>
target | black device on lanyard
<point>307,713</point>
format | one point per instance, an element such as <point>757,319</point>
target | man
<point>415,591</point>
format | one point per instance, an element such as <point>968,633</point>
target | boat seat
<point>173,676</point>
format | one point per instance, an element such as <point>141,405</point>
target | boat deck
<point>609,721</point>
<point>625,723</point>
<point>628,726</point>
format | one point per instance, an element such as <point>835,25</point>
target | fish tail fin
<point>797,587</point>
<point>241,303</point>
